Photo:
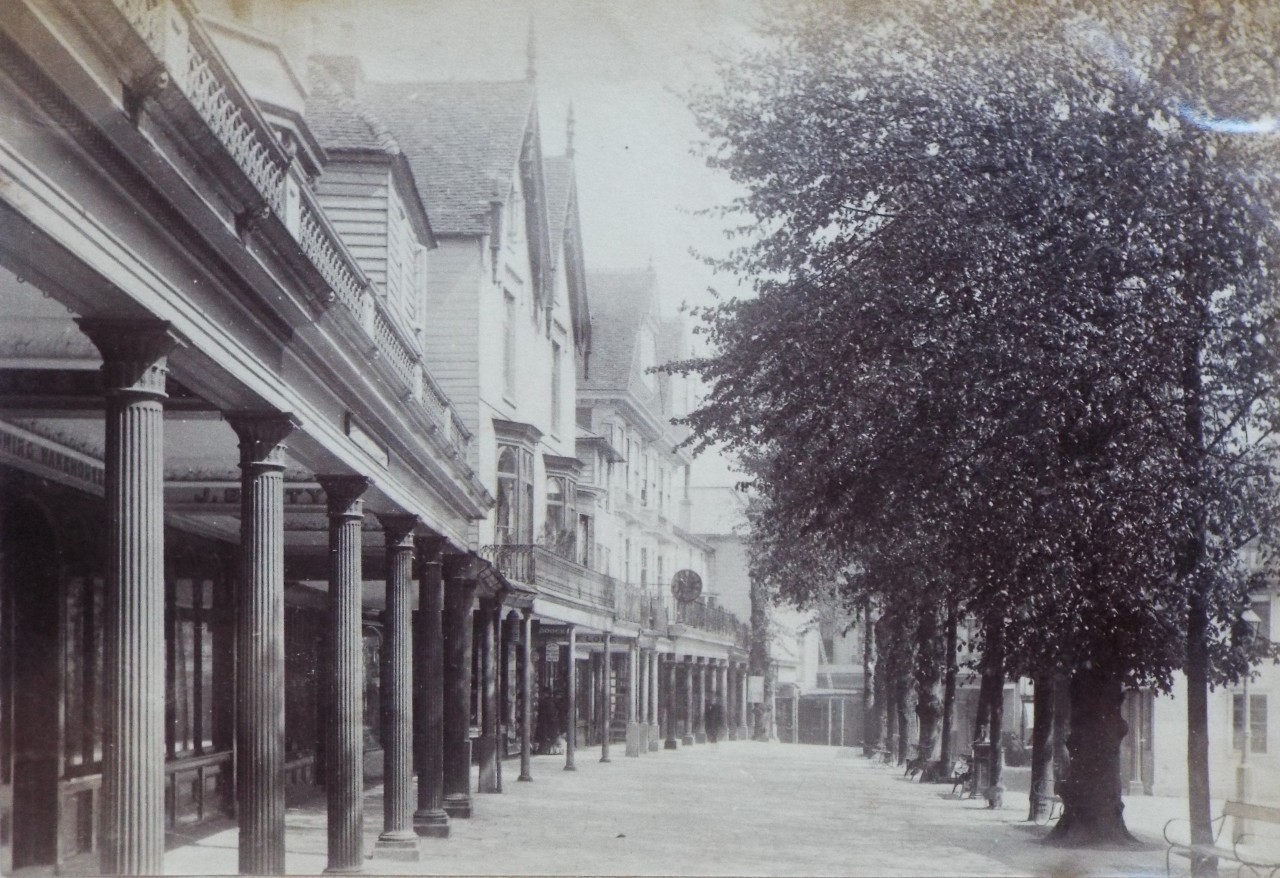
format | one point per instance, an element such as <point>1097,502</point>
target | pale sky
<point>624,65</point>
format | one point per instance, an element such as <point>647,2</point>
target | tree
<point>1013,327</point>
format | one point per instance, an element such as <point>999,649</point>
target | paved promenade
<point>736,808</point>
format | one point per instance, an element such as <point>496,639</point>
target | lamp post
<point>1243,792</point>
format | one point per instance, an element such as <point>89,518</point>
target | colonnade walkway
<point>733,808</point>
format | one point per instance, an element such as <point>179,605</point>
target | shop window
<point>83,607</point>
<point>191,636</point>
<point>1257,723</point>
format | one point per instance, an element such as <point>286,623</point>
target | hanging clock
<point>686,585</point>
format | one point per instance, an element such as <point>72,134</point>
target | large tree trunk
<point>993,661</point>
<point>881,717</point>
<point>758,660</point>
<point>1061,726</point>
<point>1197,671</point>
<point>1093,813</point>
<point>872,716</point>
<point>949,692</point>
<point>1042,749</point>
<point>928,679</point>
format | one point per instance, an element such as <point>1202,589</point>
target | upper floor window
<point>508,344</point>
<point>1257,723</point>
<point>556,401</point>
<point>514,513</point>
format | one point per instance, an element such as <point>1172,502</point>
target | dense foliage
<point>1013,337</point>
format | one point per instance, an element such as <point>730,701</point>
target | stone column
<point>689,718</point>
<point>459,595</point>
<point>344,749</point>
<point>131,829</point>
<point>398,839</point>
<point>259,668</point>
<point>571,700</point>
<point>430,819</point>
<point>655,711</point>
<point>642,697</point>
<point>746,707</point>
<point>733,683</point>
<point>526,696</point>
<point>670,701</point>
<point>606,698</point>
<point>488,755</point>
<point>634,741</point>
<point>701,703</point>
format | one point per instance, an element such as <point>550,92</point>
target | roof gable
<point>464,142</point>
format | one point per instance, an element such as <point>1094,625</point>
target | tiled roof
<point>619,303</point>
<point>462,139</point>
<point>338,122</point>
<point>558,173</point>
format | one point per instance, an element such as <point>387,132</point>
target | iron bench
<point>1259,861</point>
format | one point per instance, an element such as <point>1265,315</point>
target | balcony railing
<point>552,573</point>
<point>195,68</point>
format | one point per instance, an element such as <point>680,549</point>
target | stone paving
<point>734,808</point>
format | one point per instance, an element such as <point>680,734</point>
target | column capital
<point>430,548</point>
<point>261,435</point>
<point>343,494</point>
<point>397,528</point>
<point>463,566</point>
<point>133,352</point>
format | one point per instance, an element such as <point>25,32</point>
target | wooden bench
<point>1259,861</point>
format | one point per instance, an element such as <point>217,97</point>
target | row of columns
<point>132,826</point>
<point>132,829</point>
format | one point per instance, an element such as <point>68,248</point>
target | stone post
<point>571,700</point>
<point>526,696</point>
<point>259,668</point>
<point>430,819</point>
<point>344,750</point>
<point>131,829</point>
<point>742,720</point>
<point>398,839</point>
<point>459,595</point>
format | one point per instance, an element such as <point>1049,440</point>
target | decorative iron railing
<point>195,68</point>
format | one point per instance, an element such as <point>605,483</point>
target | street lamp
<point>1252,621</point>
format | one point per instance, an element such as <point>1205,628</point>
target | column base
<point>635,733</point>
<point>656,744</point>
<point>431,824</point>
<point>702,737</point>
<point>742,733</point>
<point>686,741</point>
<point>344,870</point>
<point>458,806</point>
<point>571,767</point>
<point>733,734</point>
<point>401,846</point>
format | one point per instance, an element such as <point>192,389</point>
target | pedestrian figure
<point>715,720</point>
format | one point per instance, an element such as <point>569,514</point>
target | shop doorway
<point>29,670</point>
